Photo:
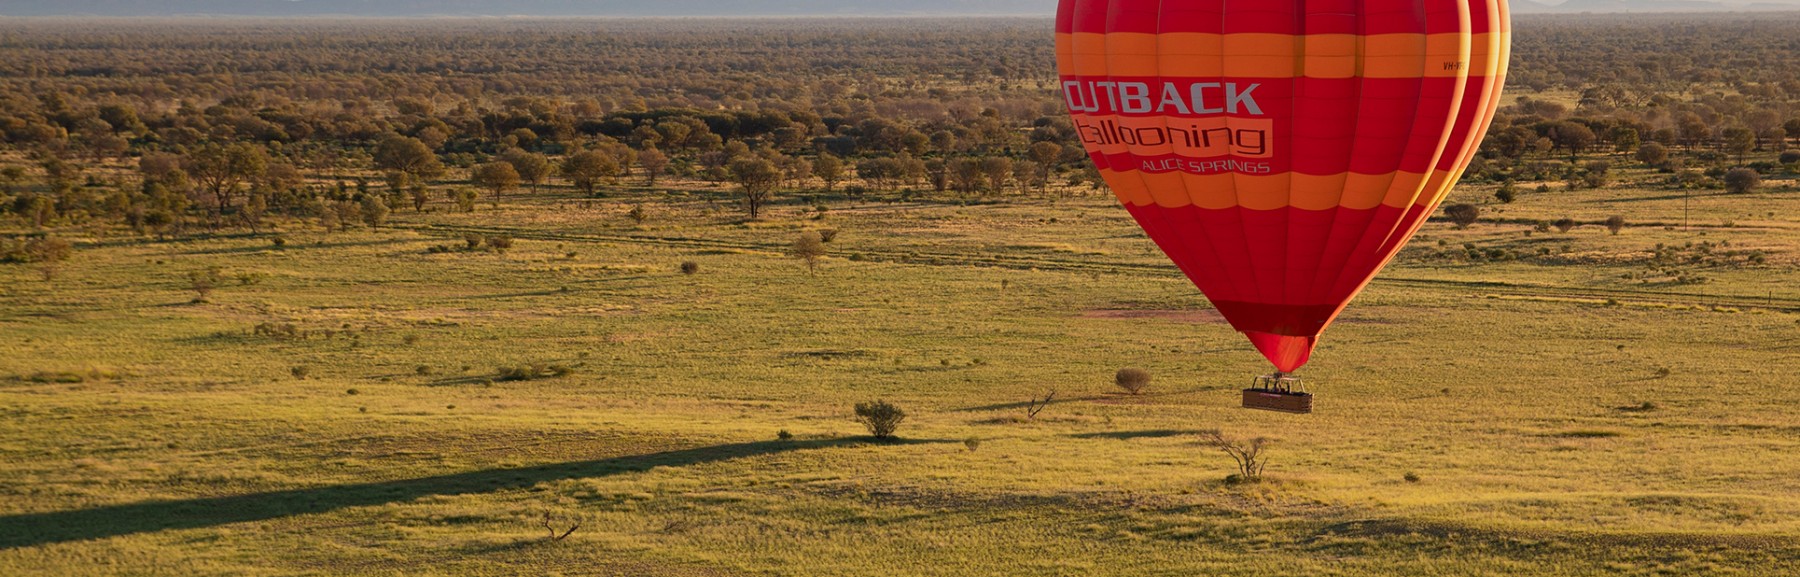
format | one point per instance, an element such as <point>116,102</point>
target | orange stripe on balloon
<point>1193,54</point>
<point>1128,186</point>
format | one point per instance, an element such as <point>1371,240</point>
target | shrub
<point>1790,157</point>
<point>278,330</point>
<point>1462,215</point>
<point>1597,173</point>
<point>1248,454</point>
<point>1507,193</point>
<point>500,243</point>
<point>473,240</point>
<point>202,282</point>
<point>1564,225</point>
<point>422,370</point>
<point>1133,380</point>
<point>972,443</point>
<point>690,267</point>
<point>809,247</point>
<point>1411,477</point>
<point>1615,223</point>
<point>828,235</point>
<point>1742,180</point>
<point>880,417</point>
<point>300,371</point>
<point>784,435</point>
<point>533,371</point>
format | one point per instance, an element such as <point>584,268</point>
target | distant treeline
<point>226,122</point>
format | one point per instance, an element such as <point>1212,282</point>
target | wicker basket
<point>1270,400</point>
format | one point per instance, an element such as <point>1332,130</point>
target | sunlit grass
<point>1548,430</point>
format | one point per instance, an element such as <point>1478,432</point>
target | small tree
<point>203,282</point>
<point>1742,180</point>
<point>1249,454</point>
<point>48,253</point>
<point>1133,380</point>
<point>881,418</point>
<point>829,169</point>
<point>998,170</point>
<point>465,199</point>
<point>1653,154</point>
<point>809,247</point>
<point>420,196</point>
<point>1739,141</point>
<point>1615,223</point>
<point>497,177</point>
<point>374,211</point>
<point>533,168</point>
<point>654,163</point>
<point>757,179</point>
<point>348,213</point>
<point>1462,215</point>
<point>409,155</point>
<point>585,169</point>
<point>1597,173</point>
<point>1565,224</point>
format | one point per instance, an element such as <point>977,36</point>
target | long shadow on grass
<point>1129,435</point>
<point>296,247</point>
<point>117,520</point>
<point>1102,397</point>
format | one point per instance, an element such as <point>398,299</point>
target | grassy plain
<point>1576,415</point>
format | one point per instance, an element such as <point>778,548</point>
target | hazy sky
<point>631,7</point>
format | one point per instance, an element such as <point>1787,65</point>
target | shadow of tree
<point>117,520</point>
<point>1128,435</point>
<point>1120,397</point>
<point>296,247</point>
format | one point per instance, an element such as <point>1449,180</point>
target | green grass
<point>143,434</point>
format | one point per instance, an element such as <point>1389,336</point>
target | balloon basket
<point>1280,393</point>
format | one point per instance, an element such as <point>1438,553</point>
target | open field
<point>145,434</point>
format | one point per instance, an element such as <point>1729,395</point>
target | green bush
<point>1133,380</point>
<point>533,371</point>
<point>880,417</point>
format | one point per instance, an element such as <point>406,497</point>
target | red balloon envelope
<point>1281,151</point>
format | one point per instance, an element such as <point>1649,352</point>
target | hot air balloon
<point>1281,152</point>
